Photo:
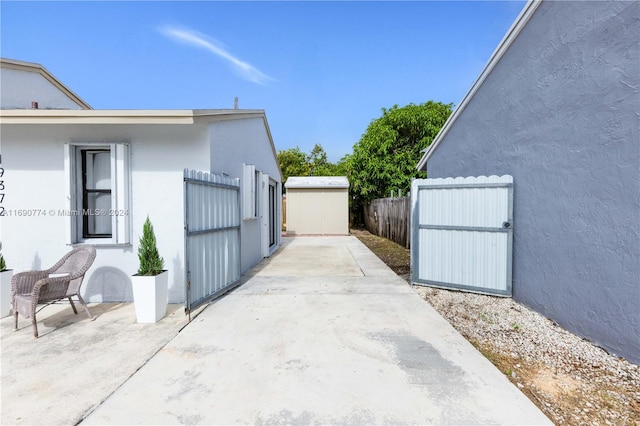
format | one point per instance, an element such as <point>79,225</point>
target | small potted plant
<point>150,284</point>
<point>5,286</point>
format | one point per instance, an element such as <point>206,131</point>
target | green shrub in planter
<point>150,261</point>
<point>3,264</point>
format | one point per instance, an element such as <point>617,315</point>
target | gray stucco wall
<point>560,112</point>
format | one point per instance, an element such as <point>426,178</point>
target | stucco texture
<point>33,158</point>
<point>19,88</point>
<point>236,142</point>
<point>559,113</point>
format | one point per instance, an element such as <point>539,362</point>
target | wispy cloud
<point>196,39</point>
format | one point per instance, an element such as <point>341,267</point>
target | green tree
<point>341,168</point>
<point>293,162</point>
<point>385,157</point>
<point>318,163</point>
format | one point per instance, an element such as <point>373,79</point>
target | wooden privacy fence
<point>390,218</point>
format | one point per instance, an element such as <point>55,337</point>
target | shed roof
<point>317,182</point>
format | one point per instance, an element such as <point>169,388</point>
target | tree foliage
<point>385,157</point>
<point>294,162</point>
<point>318,163</point>
<point>150,261</point>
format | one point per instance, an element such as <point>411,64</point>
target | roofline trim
<point>33,67</point>
<point>121,116</point>
<point>93,116</point>
<point>98,116</point>
<point>513,33</point>
<point>273,146</point>
<point>317,182</point>
<point>316,186</point>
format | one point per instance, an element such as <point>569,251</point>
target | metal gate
<point>212,236</point>
<point>463,233</point>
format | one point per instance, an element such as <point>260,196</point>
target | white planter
<point>5,292</point>
<point>150,296</point>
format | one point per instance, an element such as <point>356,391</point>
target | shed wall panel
<point>317,211</point>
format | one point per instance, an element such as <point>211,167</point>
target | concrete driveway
<point>321,333</point>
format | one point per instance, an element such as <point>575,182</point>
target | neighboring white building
<point>317,205</point>
<point>58,161</point>
<point>25,85</point>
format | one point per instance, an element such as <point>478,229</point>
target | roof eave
<point>240,114</point>
<point>70,116</point>
<point>503,46</point>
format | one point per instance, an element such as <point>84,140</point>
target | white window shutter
<point>69,194</point>
<point>248,191</point>
<point>121,216</point>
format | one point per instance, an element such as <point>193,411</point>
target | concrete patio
<point>76,363</point>
<point>321,333</point>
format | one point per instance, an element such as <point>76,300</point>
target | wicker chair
<point>61,281</point>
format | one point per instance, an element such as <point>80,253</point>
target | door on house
<point>273,215</point>
<point>268,207</point>
<point>463,233</point>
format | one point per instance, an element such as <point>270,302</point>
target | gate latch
<point>506,225</point>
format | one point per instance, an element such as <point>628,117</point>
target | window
<point>97,193</point>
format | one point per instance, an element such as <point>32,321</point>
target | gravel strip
<point>571,380</point>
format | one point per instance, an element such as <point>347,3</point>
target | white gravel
<point>570,379</point>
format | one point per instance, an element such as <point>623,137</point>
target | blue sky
<point>322,71</point>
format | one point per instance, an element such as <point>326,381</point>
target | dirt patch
<point>572,381</point>
<point>555,384</point>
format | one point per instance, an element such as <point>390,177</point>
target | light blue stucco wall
<point>560,112</point>
<point>233,143</point>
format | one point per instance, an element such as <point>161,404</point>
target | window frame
<point>84,199</point>
<point>75,204</point>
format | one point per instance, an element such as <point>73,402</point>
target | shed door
<point>463,233</point>
<point>317,211</point>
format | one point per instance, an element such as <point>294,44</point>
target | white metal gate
<point>212,236</point>
<point>463,233</point>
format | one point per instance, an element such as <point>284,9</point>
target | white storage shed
<point>317,205</point>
